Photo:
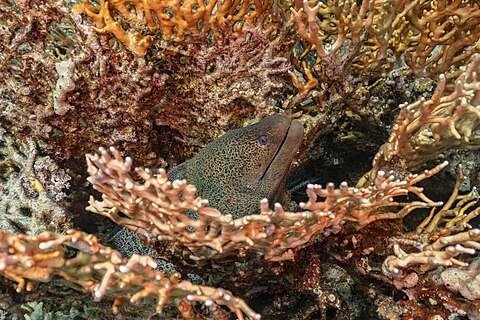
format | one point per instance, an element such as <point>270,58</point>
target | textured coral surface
<point>386,92</point>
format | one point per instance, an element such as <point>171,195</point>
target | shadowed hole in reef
<point>283,305</point>
<point>331,313</point>
<point>400,296</point>
<point>26,212</point>
<point>17,226</point>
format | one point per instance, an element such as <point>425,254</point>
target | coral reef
<point>386,92</point>
<point>31,189</point>
<point>464,280</point>
<point>159,209</point>
<point>346,48</point>
<point>102,271</point>
<point>218,77</point>
<point>453,122</point>
<point>175,18</point>
<point>442,252</point>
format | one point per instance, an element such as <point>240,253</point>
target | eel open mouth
<point>280,162</point>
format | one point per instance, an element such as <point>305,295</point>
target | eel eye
<point>263,140</point>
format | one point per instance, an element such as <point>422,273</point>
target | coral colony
<point>102,99</point>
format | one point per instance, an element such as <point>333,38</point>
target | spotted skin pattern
<point>234,172</point>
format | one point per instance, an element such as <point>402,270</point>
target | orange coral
<point>426,128</point>
<point>175,18</point>
<point>370,36</point>
<point>443,252</point>
<point>435,35</point>
<point>103,271</point>
<point>157,207</point>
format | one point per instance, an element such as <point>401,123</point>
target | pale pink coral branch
<point>102,271</point>
<point>159,208</point>
<point>426,128</point>
<point>442,252</point>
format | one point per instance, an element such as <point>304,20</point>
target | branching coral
<point>431,36</point>
<point>436,35</point>
<point>455,215</point>
<point>338,29</point>
<point>102,271</point>
<point>359,205</point>
<point>56,63</point>
<point>347,47</point>
<point>160,212</point>
<point>156,209</point>
<point>441,240</point>
<point>442,252</point>
<point>347,51</point>
<point>174,18</point>
<point>426,128</point>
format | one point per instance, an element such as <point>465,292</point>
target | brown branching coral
<point>368,38</point>
<point>455,215</point>
<point>156,209</point>
<point>433,36</point>
<point>442,252</point>
<point>360,205</point>
<point>441,239</point>
<point>338,30</point>
<point>426,128</point>
<point>102,271</point>
<point>160,213</point>
<point>174,18</point>
<point>349,49</point>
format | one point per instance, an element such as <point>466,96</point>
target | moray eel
<point>235,171</point>
<point>243,166</point>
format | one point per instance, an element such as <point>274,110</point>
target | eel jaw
<point>286,151</point>
<point>276,154</point>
